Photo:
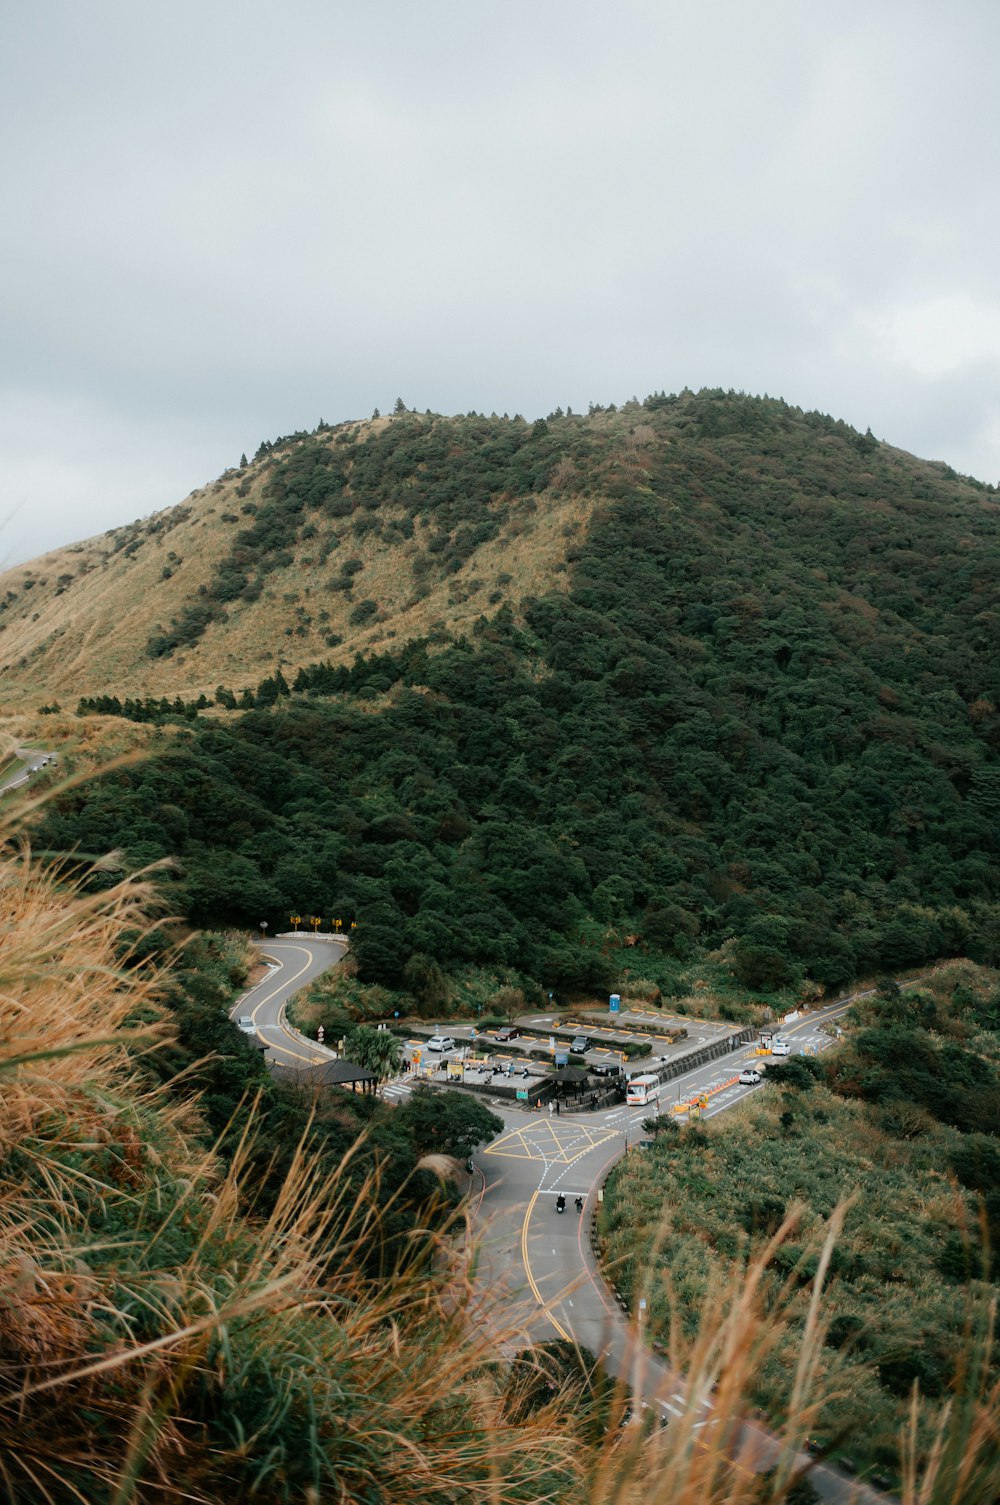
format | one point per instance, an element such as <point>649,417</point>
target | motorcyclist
<point>560,1203</point>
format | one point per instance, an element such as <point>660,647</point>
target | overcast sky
<point>221,222</point>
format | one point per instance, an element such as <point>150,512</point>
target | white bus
<point>642,1089</point>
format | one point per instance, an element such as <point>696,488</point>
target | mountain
<point>379,532</point>
<point>327,543</point>
<point>694,700</point>
<point>703,690</point>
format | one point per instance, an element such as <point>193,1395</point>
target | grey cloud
<point>223,222</point>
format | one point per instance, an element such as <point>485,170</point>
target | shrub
<point>363,612</point>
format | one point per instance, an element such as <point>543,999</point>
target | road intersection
<point>537,1261</point>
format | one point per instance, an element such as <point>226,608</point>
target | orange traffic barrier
<point>701,1101</point>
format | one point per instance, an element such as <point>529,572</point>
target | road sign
<point>416,1058</point>
<point>521,1094</point>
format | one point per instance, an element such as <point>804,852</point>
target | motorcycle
<point>560,1203</point>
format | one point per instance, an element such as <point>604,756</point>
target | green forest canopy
<point>764,708</point>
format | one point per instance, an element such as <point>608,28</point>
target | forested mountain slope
<point>334,541</point>
<point>749,709</point>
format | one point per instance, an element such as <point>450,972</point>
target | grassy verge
<point>907,1272</point>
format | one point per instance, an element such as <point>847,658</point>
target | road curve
<point>32,758</point>
<point>293,964</point>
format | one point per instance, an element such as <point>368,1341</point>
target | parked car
<point>780,1048</point>
<point>440,1042</point>
<point>749,1077</point>
<point>246,1024</point>
<point>509,1032</point>
<point>580,1044</point>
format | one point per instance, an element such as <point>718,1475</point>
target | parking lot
<point>605,1037</point>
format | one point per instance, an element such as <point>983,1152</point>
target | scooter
<point>560,1203</point>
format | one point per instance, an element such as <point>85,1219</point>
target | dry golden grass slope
<point>76,621</point>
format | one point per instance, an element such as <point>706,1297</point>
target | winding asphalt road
<point>539,1260</point>
<point>293,963</point>
<point>32,758</point>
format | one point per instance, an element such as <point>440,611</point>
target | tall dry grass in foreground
<point>157,1343</point>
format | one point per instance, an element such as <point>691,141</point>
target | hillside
<point>327,543</point>
<point>747,735</point>
<point>218,1288</point>
<point>378,532</point>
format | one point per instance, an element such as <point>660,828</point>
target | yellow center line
<point>528,1271</point>
<point>297,1055</point>
<point>267,998</point>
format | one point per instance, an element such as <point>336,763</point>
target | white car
<point>780,1048</point>
<point>440,1042</point>
<point>749,1077</point>
<point>246,1025</point>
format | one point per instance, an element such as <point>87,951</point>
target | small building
<point>335,1074</point>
